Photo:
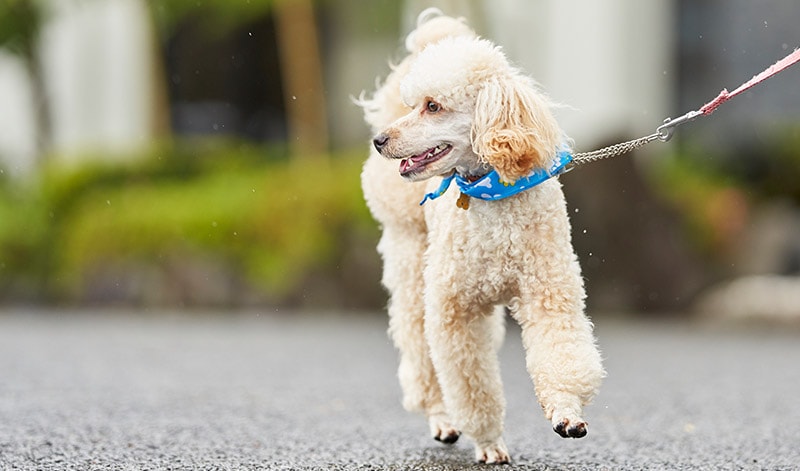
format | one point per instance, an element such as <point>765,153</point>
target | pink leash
<point>724,95</point>
<point>664,132</point>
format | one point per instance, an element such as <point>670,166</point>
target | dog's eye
<point>432,107</point>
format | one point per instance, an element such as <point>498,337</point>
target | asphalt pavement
<point>295,391</point>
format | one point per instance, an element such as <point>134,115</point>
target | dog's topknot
<point>432,26</point>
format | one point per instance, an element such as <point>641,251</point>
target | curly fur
<point>513,128</point>
<point>447,270</point>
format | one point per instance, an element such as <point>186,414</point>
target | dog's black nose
<point>380,141</point>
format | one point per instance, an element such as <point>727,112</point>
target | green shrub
<point>24,222</point>
<point>716,191</point>
<point>269,222</point>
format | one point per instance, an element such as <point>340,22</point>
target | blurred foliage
<point>770,167</point>
<point>703,196</point>
<point>23,223</point>
<point>716,192</point>
<point>218,16</point>
<point>20,21</point>
<point>271,223</point>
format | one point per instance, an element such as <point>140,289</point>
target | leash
<point>491,187</point>
<point>664,132</point>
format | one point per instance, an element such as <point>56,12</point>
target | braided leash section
<point>581,158</point>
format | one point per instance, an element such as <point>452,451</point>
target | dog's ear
<point>514,130</point>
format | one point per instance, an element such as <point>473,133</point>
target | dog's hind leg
<point>403,278</point>
<point>463,345</point>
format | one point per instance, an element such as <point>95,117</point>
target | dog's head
<point>385,106</point>
<point>470,109</point>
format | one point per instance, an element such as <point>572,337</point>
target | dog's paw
<point>442,430</point>
<point>493,453</point>
<point>570,428</point>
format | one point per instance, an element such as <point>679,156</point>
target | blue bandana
<point>490,187</point>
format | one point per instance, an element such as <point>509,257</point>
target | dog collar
<point>491,187</point>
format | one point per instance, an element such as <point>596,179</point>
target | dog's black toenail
<point>448,439</point>
<point>561,429</point>
<point>579,431</point>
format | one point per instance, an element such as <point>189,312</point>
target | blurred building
<point>98,79</point>
<point>618,66</point>
<point>107,78</point>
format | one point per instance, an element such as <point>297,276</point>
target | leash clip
<point>666,130</point>
<point>570,166</point>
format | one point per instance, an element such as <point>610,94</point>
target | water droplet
<point>577,210</point>
<point>250,34</point>
<point>584,231</point>
<point>294,97</point>
<point>765,23</point>
<point>108,202</point>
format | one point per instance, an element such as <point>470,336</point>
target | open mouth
<point>420,161</point>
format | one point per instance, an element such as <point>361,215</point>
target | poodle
<point>456,108</point>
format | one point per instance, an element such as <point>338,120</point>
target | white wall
<point>610,61</point>
<point>97,66</point>
<point>99,74</point>
<point>17,140</point>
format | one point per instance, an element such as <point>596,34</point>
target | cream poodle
<point>455,107</point>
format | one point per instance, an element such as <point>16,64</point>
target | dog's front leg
<point>463,352</point>
<point>562,359</point>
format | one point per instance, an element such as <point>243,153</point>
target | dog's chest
<point>493,240</point>
<point>484,239</point>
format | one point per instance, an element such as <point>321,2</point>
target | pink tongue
<point>405,164</point>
